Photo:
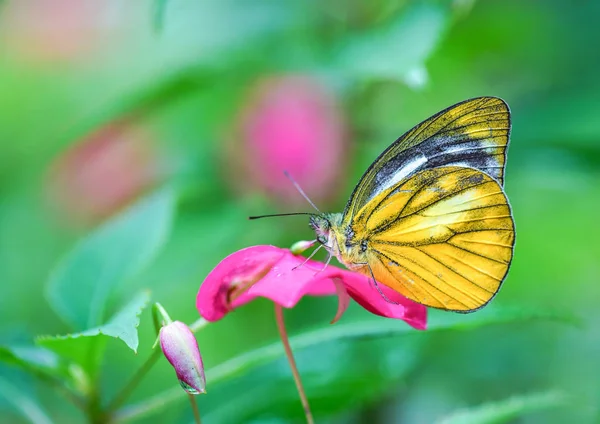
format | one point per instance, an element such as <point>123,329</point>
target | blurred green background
<point>104,102</point>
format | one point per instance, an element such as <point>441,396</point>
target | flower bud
<point>181,349</point>
<point>301,246</point>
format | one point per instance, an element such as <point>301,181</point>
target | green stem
<point>292,361</point>
<point>195,409</point>
<point>126,391</point>
<point>198,325</point>
<point>160,317</point>
<point>94,409</point>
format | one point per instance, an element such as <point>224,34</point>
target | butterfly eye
<point>322,239</point>
<point>363,246</point>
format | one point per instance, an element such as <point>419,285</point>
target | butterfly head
<point>322,227</point>
<point>326,226</point>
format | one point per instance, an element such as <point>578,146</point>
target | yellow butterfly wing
<point>443,238</point>
<point>474,133</point>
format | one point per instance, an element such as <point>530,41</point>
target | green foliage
<point>360,370</point>
<point>494,314</point>
<point>374,327</point>
<point>83,282</point>
<point>408,41</point>
<point>181,71</point>
<point>23,402</point>
<point>86,348</point>
<point>38,361</point>
<point>363,359</point>
<point>507,410</point>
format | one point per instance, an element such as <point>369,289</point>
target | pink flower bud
<point>181,349</point>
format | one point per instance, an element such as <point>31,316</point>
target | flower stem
<point>195,409</point>
<point>198,325</point>
<point>135,380</point>
<point>292,361</point>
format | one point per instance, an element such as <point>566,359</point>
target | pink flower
<point>274,273</point>
<point>290,123</point>
<point>104,172</point>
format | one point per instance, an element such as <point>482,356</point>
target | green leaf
<point>398,51</point>
<point>439,320</point>
<point>507,410</point>
<point>37,361</point>
<point>82,283</point>
<point>23,402</point>
<point>370,328</point>
<point>87,347</point>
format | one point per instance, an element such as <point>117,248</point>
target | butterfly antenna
<point>287,174</point>
<point>378,288</point>
<point>280,214</point>
<point>309,258</point>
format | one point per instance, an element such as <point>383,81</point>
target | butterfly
<point>430,218</point>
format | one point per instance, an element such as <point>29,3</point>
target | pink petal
<point>369,298</point>
<point>343,299</point>
<point>285,282</point>
<point>282,284</point>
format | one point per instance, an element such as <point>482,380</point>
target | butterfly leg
<point>326,264</point>
<point>377,285</point>
<point>309,258</point>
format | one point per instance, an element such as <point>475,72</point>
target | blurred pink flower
<point>273,273</point>
<point>291,123</point>
<point>104,172</point>
<point>52,30</point>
